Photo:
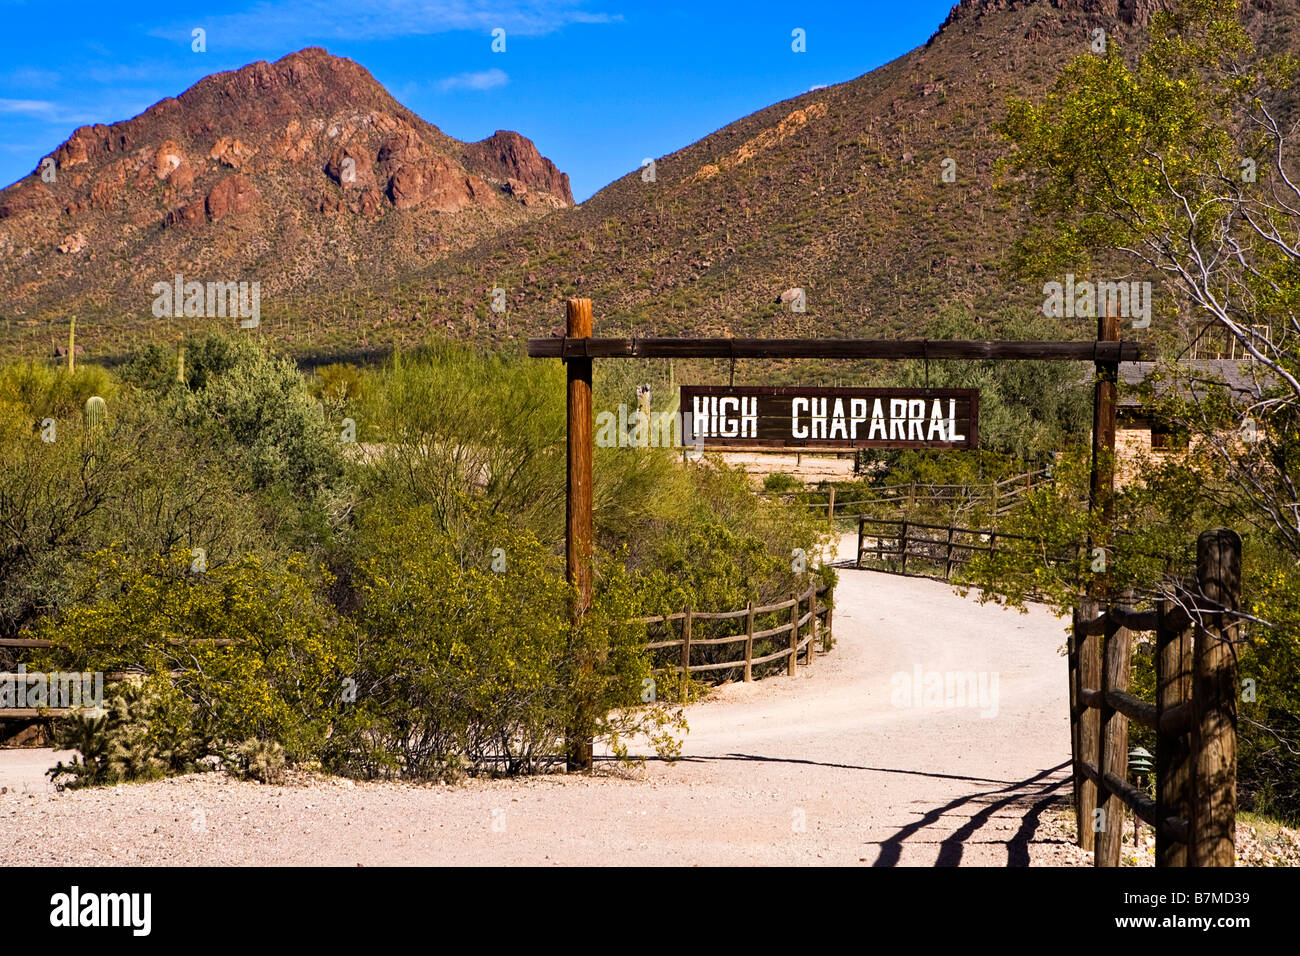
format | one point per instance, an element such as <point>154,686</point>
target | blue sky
<point>597,84</point>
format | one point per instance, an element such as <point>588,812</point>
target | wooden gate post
<point>1114,744</point>
<point>1101,499</point>
<point>578,506</point>
<point>1088,676</point>
<point>1214,701</point>
<point>1173,758</point>
<point>1076,710</point>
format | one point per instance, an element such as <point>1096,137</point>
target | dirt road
<point>842,764</point>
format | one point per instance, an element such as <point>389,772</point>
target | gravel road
<point>841,765</point>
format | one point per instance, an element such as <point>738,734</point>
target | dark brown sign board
<point>720,416</point>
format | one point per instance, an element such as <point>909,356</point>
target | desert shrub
<point>134,738</point>
<point>462,429</point>
<point>37,390</point>
<point>247,649</point>
<point>136,484</point>
<point>262,760</point>
<point>466,655</point>
<point>778,482</point>
<point>260,409</point>
<point>338,383</point>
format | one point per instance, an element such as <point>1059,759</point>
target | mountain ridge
<point>309,151</point>
<point>839,191</point>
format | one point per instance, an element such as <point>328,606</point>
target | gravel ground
<point>822,768</point>
<point>1257,845</point>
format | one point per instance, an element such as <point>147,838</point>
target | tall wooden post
<point>1113,751</point>
<point>578,540</point>
<point>1101,506</point>
<point>1173,758</point>
<point>1087,676</point>
<point>1101,488</point>
<point>1214,702</point>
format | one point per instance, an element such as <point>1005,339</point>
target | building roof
<point>1242,376</point>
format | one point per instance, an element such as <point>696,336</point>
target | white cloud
<point>484,80</point>
<point>46,111</point>
<point>297,23</point>
<point>30,76</point>
<point>38,108</point>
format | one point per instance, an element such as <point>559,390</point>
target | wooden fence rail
<point>1194,715</point>
<point>804,629</point>
<point>887,541</point>
<point>1000,495</point>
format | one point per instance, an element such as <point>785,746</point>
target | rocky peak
<point>509,158</point>
<point>1129,12</point>
<point>308,155</point>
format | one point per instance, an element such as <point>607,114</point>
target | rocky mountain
<point>875,197</point>
<point>291,173</point>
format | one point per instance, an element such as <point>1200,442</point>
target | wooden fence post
<point>857,558</point>
<point>1073,642</point>
<point>578,507</point>
<point>947,571</point>
<point>830,609</point>
<point>1113,748</point>
<point>1173,758</point>
<point>1088,674</point>
<point>902,544</point>
<point>830,508</point>
<point>686,652</point>
<point>1214,701</point>
<point>812,623</point>
<point>749,644</point>
<point>794,633</point>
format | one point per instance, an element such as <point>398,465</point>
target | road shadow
<point>1030,797</point>
<point>707,758</point>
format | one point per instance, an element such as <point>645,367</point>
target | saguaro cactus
<point>72,345</point>
<point>96,409</point>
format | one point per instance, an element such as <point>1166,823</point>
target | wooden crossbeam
<point>938,349</point>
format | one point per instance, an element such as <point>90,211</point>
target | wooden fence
<point>1194,715</point>
<point>889,544</point>
<point>998,496</point>
<point>802,630</point>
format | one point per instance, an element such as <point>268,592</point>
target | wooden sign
<point>718,416</point>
